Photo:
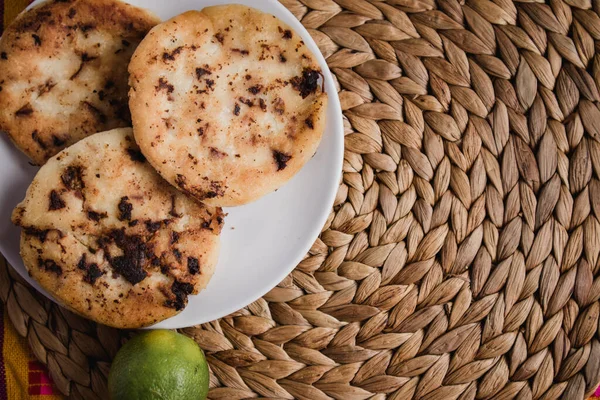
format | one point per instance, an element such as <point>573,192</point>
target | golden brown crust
<point>63,72</point>
<point>110,239</point>
<point>226,103</point>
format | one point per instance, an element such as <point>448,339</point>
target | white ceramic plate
<point>262,241</point>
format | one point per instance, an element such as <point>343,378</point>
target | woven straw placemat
<point>461,258</point>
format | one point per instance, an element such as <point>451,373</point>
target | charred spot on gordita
<point>50,265</point>
<point>307,83</point>
<point>56,202</point>
<point>72,177</point>
<point>200,72</point>
<point>281,159</point>
<point>193,265</point>
<point>163,84</point>
<point>125,208</point>
<point>171,56</point>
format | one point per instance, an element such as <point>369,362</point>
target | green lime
<point>159,364</point>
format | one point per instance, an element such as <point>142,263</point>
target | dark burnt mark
<point>286,34</point>
<point>86,27</point>
<point>181,290</point>
<point>125,43</point>
<point>35,136</point>
<point>201,131</point>
<point>219,220</point>
<point>248,77</point>
<point>38,233</point>
<point>282,58</point>
<point>136,155</point>
<point>246,101</point>
<point>309,122</point>
<point>236,109</point>
<point>217,153</point>
<point>255,89</point>
<point>164,85</point>
<point>217,190</point>
<point>92,272</point>
<point>71,13</point>
<point>3,56</point>
<point>279,106</point>
<point>101,95</point>
<point>200,72</point>
<point>125,208</point>
<point>128,268</point>
<point>153,226</point>
<point>165,269</point>
<point>36,40</point>
<point>241,51</point>
<point>130,264</point>
<point>219,36</point>
<point>307,83</point>
<point>96,216</point>
<point>281,159</point>
<point>72,177</point>
<point>50,265</point>
<point>133,222</point>
<point>24,111</point>
<point>206,225</point>
<point>56,202</point>
<point>109,84</point>
<point>262,104</point>
<point>210,84</point>
<point>99,115</point>
<point>174,237</point>
<point>171,56</point>
<point>177,254</point>
<point>58,141</point>
<point>193,265</point>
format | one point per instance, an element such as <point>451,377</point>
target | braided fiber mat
<point>461,258</point>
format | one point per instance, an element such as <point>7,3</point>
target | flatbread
<point>110,239</point>
<point>227,103</point>
<point>63,72</point>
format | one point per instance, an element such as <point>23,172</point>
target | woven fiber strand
<point>461,258</point>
